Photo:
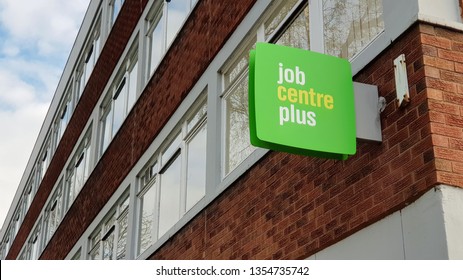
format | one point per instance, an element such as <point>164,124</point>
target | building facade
<point>145,154</point>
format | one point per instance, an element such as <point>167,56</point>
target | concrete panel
<point>423,226</point>
<point>381,241</point>
<point>452,202</point>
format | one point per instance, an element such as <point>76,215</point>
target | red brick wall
<point>444,67</point>
<point>290,207</point>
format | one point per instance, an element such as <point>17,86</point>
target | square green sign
<point>301,102</point>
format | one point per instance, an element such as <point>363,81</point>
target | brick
<point>434,94</point>
<point>450,178</point>
<point>449,154</point>
<point>449,55</point>
<point>430,50</point>
<point>444,107</point>
<point>439,42</point>
<point>446,130</point>
<point>457,46</point>
<point>447,86</point>
<point>447,33</point>
<point>427,29</point>
<point>432,72</point>
<point>443,165</point>
<point>438,117</point>
<point>457,167</point>
<point>440,140</point>
<point>453,99</point>
<point>456,144</point>
<point>451,76</point>
<point>456,121</point>
<point>459,67</point>
<point>438,63</point>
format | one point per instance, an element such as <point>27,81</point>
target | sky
<point>36,38</point>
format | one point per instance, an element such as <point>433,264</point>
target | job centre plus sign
<point>301,102</point>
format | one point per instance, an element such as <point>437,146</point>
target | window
<point>155,42</point>
<point>64,115</point>
<point>78,171</point>
<point>109,241</point>
<point>177,11</point>
<point>31,249</point>
<point>147,197</point>
<point>350,25</point>
<point>45,160</point>
<point>162,25</point>
<point>114,8</point>
<point>28,195</point>
<point>237,143</point>
<point>90,57</point>
<point>77,255</point>
<point>53,214</point>
<point>119,101</point>
<point>235,79</point>
<point>174,180</point>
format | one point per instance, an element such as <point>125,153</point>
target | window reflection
<point>350,25</point>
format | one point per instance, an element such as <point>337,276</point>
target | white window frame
<point>162,161</point>
<point>159,12</point>
<point>123,82</point>
<point>89,58</point>
<point>103,232</point>
<point>83,155</point>
<point>57,200</point>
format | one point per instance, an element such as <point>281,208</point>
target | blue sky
<point>35,40</point>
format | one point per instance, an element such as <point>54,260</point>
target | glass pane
<point>132,86</point>
<point>122,237</point>
<point>297,34</point>
<point>177,11</point>
<point>196,168</point>
<point>108,245</point>
<point>76,255</point>
<point>106,129</point>
<point>80,175</point>
<point>236,69</point>
<point>146,230</point>
<point>119,107</point>
<point>71,188</point>
<point>95,252</point>
<point>116,8</point>
<point>197,117</point>
<point>169,209</point>
<point>97,48</point>
<point>169,151</point>
<point>81,84</point>
<point>238,145</point>
<point>278,16</point>
<point>89,64</point>
<point>155,42</point>
<point>88,152</point>
<point>350,25</point>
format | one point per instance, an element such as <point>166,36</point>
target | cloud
<point>35,40</point>
<point>47,26</point>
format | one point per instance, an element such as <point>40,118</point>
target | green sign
<point>301,102</point>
